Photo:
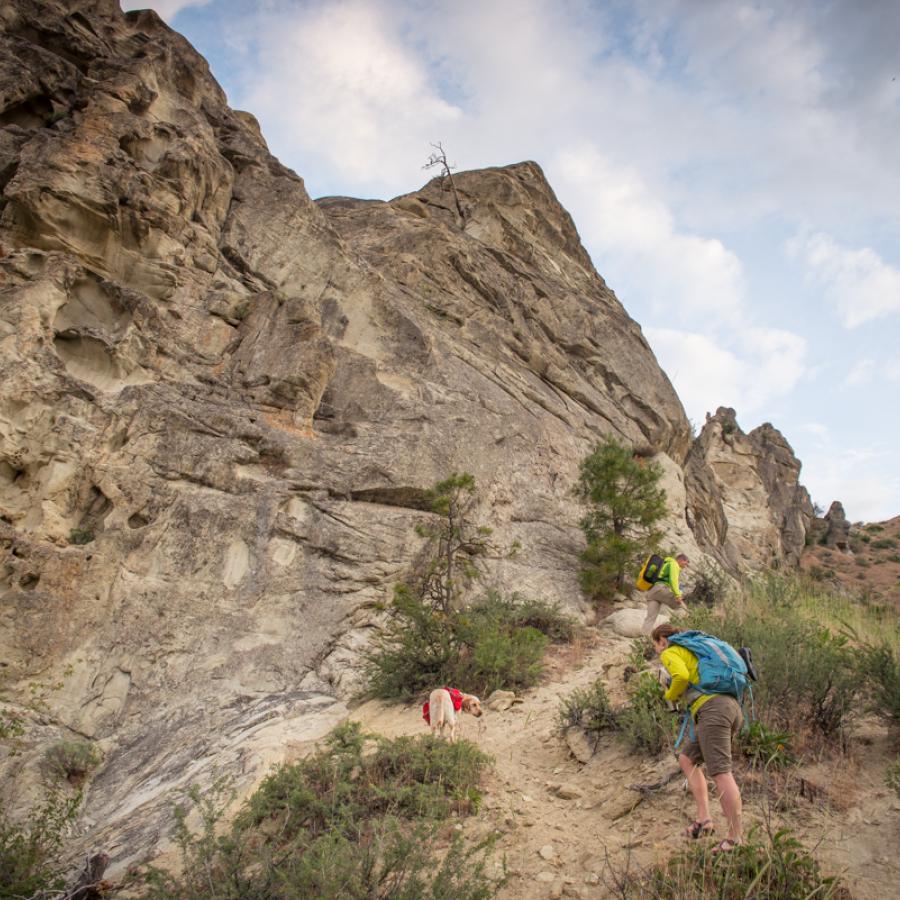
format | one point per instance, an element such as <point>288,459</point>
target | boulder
<point>580,745</point>
<point>629,621</point>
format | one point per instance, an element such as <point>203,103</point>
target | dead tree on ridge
<point>439,158</point>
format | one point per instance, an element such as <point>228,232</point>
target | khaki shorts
<point>718,721</point>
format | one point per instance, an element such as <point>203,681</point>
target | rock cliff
<point>222,403</point>
<point>745,501</point>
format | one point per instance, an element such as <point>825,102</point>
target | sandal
<point>724,846</point>
<point>695,829</point>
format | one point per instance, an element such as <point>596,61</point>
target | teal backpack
<point>722,670</point>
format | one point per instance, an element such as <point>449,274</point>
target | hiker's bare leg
<point>652,613</point>
<point>696,780</point>
<point>732,806</point>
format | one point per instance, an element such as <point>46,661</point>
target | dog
<point>443,704</point>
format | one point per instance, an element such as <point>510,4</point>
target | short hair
<point>663,630</point>
<point>682,556</point>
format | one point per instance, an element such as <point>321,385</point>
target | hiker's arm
<point>674,572</point>
<point>676,667</point>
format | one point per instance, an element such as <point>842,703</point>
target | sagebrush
<point>353,821</point>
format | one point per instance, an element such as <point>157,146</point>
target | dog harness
<point>455,696</point>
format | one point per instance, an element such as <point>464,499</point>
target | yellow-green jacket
<point>684,668</point>
<point>669,574</point>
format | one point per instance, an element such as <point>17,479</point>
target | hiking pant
<point>717,724</point>
<point>659,595</point>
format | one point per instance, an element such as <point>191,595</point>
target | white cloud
<point>167,9</point>
<point>858,283</point>
<point>339,85</point>
<point>861,373</point>
<point>864,479</point>
<point>816,429</point>
<point>707,374</point>
<point>619,215</point>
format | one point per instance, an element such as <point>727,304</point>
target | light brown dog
<point>443,715</point>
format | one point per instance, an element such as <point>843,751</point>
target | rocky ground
<point>569,829</point>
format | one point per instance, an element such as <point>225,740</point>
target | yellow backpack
<point>650,571</point>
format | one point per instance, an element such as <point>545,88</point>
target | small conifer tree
<point>625,504</point>
<point>456,543</point>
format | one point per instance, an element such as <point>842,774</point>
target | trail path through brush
<point>573,829</point>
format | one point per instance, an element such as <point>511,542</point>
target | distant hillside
<point>870,564</point>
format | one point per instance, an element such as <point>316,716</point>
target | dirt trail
<point>559,847</point>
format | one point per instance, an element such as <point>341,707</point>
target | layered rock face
<point>745,502</point>
<point>222,404</point>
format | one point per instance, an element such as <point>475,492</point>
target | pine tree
<point>626,503</point>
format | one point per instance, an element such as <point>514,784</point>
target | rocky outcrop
<point>222,403</point>
<point>744,497</point>
<point>838,533</point>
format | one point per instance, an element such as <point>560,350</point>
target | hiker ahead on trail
<point>709,677</point>
<point>659,578</point>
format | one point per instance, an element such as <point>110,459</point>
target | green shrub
<point>892,776</point>
<point>640,651</point>
<point>502,657</point>
<point>71,760</point>
<point>646,723</point>
<point>29,852</point>
<point>343,823</point>
<point>710,584</point>
<point>81,536</point>
<point>588,709</point>
<point>416,651</point>
<point>880,669</point>
<point>765,748</point>
<point>494,643</point>
<point>884,544</point>
<point>807,674</point>
<point>779,868</point>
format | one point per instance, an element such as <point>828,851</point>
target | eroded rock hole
<point>29,581</point>
<point>138,520</point>
<point>146,151</point>
<point>92,305</point>
<point>35,112</point>
<point>9,473</point>
<point>99,505</point>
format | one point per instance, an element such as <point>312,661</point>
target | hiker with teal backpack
<point>659,578</point>
<point>710,677</point>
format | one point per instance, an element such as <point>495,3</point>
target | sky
<point>732,169</point>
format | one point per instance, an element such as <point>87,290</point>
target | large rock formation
<point>222,403</point>
<point>746,504</point>
<point>838,533</point>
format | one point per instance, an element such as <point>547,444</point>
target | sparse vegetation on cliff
<point>432,639</point>
<point>71,760</point>
<point>30,851</point>
<point>494,643</point>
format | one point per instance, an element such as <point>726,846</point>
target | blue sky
<point>732,169</point>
